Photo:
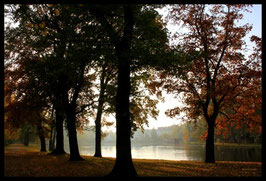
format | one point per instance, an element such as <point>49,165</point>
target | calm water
<point>191,152</point>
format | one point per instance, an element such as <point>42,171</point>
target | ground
<point>29,161</point>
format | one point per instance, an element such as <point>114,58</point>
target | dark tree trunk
<point>72,133</point>
<point>41,136</point>
<point>98,152</point>
<point>52,138</point>
<point>124,164</point>
<point>43,145</point>
<point>59,149</point>
<point>210,158</point>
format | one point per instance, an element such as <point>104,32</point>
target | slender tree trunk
<point>72,133</point>
<point>98,152</point>
<point>41,136</point>
<point>210,158</point>
<point>59,149</point>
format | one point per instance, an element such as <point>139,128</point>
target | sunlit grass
<point>28,161</point>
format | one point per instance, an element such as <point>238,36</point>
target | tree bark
<point>52,137</point>
<point>210,157</point>
<point>72,133</point>
<point>98,152</point>
<point>41,136</point>
<point>43,145</point>
<point>124,164</point>
<point>59,149</point>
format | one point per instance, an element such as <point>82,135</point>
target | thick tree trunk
<point>43,145</point>
<point>52,138</point>
<point>123,164</point>
<point>59,149</point>
<point>72,133</point>
<point>42,139</point>
<point>210,158</point>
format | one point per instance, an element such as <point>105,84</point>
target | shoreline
<point>40,164</point>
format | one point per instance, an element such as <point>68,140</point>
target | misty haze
<point>169,143</point>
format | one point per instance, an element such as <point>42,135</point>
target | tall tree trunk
<point>52,137</point>
<point>52,140</point>
<point>72,133</point>
<point>210,158</point>
<point>43,145</point>
<point>59,149</point>
<point>124,164</point>
<point>41,136</point>
<point>98,152</point>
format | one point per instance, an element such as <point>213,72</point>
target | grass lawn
<point>29,161</point>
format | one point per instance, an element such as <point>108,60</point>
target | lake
<point>188,152</point>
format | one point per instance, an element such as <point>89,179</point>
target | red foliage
<point>222,83</point>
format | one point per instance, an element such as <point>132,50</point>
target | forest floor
<point>30,162</point>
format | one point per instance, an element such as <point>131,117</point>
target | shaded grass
<point>28,161</point>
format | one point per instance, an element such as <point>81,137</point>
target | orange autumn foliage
<point>222,83</point>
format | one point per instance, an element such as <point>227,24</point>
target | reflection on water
<point>238,153</point>
<point>159,152</point>
<point>185,152</point>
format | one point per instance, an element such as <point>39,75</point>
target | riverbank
<point>228,144</point>
<point>28,161</point>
